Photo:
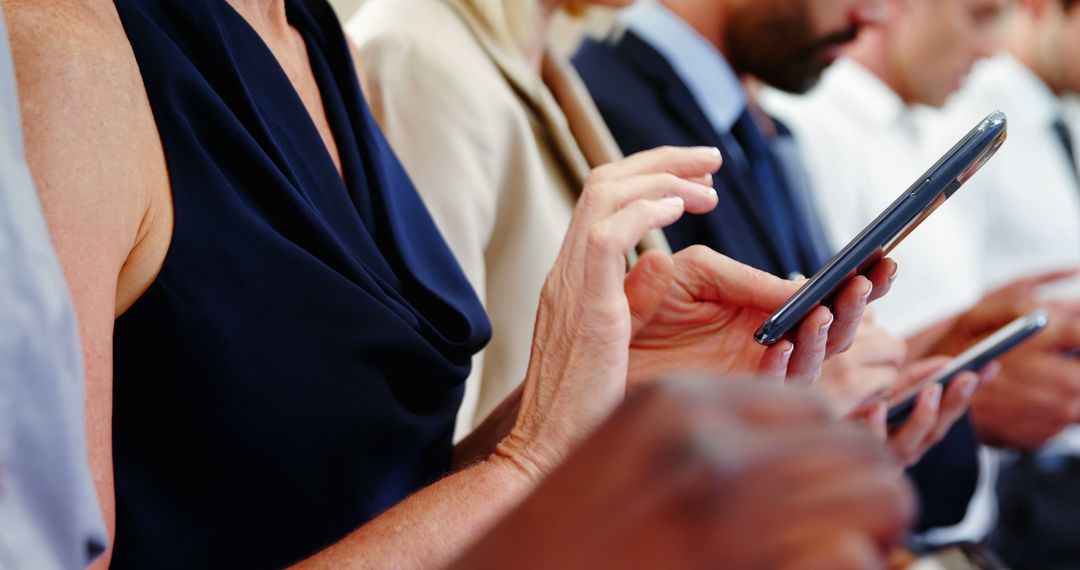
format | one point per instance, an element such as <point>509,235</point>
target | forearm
<point>481,443</point>
<point>434,526</point>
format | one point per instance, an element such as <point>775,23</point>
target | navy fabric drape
<point>296,367</point>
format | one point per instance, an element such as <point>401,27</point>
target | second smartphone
<point>973,359</point>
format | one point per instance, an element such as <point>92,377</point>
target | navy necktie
<point>1061,129</point>
<point>770,190</point>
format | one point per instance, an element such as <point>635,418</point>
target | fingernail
<point>787,351</point>
<point>881,413</point>
<point>869,290</point>
<point>710,150</point>
<point>824,330</point>
<point>708,188</point>
<point>934,394</point>
<point>968,389</point>
<point>895,270</point>
<point>673,201</point>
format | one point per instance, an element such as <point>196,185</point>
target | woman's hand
<point>712,307</point>
<point>578,368</point>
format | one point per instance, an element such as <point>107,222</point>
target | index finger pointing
<point>690,163</point>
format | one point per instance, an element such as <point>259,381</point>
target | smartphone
<point>982,353</point>
<point>892,226</point>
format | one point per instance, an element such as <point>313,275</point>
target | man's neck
<point>871,52</point>
<point>707,19</point>
<point>1030,47</point>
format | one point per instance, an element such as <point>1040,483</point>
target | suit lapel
<point>560,102</point>
<point>532,92</point>
<point>681,104</point>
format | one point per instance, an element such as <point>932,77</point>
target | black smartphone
<point>979,355</point>
<point>892,226</point>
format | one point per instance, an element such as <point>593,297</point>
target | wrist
<point>512,455</point>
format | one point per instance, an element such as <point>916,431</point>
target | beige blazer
<point>498,152</point>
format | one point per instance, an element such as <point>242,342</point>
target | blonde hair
<point>515,20</point>
<point>511,20</point>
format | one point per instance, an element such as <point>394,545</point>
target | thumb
<point>646,287</point>
<point>710,276</point>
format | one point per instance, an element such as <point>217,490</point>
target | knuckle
<point>594,194</point>
<point>847,377</point>
<point>599,175</point>
<point>696,252</point>
<point>899,349</point>
<point>601,238</point>
<point>666,153</point>
<point>670,181</point>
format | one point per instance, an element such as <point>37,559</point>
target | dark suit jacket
<point>646,105</point>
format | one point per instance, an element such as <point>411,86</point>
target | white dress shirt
<point>1027,196</point>
<point>1027,206</point>
<point>49,515</point>
<point>862,147</point>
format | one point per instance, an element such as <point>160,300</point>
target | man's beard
<point>770,40</point>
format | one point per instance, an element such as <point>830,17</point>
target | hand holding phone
<point>973,359</point>
<point>891,227</point>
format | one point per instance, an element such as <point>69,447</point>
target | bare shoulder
<point>92,144</point>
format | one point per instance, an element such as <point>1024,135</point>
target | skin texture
<point>719,476</point>
<point>109,209</point>
<point>926,48</point>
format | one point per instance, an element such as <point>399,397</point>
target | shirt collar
<point>864,93</point>
<point>694,59</point>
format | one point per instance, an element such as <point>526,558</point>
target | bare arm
<point>94,156</point>
<point>436,524</point>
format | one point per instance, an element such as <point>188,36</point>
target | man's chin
<point>795,84</point>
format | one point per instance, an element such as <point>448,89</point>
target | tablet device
<point>891,227</point>
<point>979,355</point>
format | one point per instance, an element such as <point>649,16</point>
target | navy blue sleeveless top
<point>296,367</point>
